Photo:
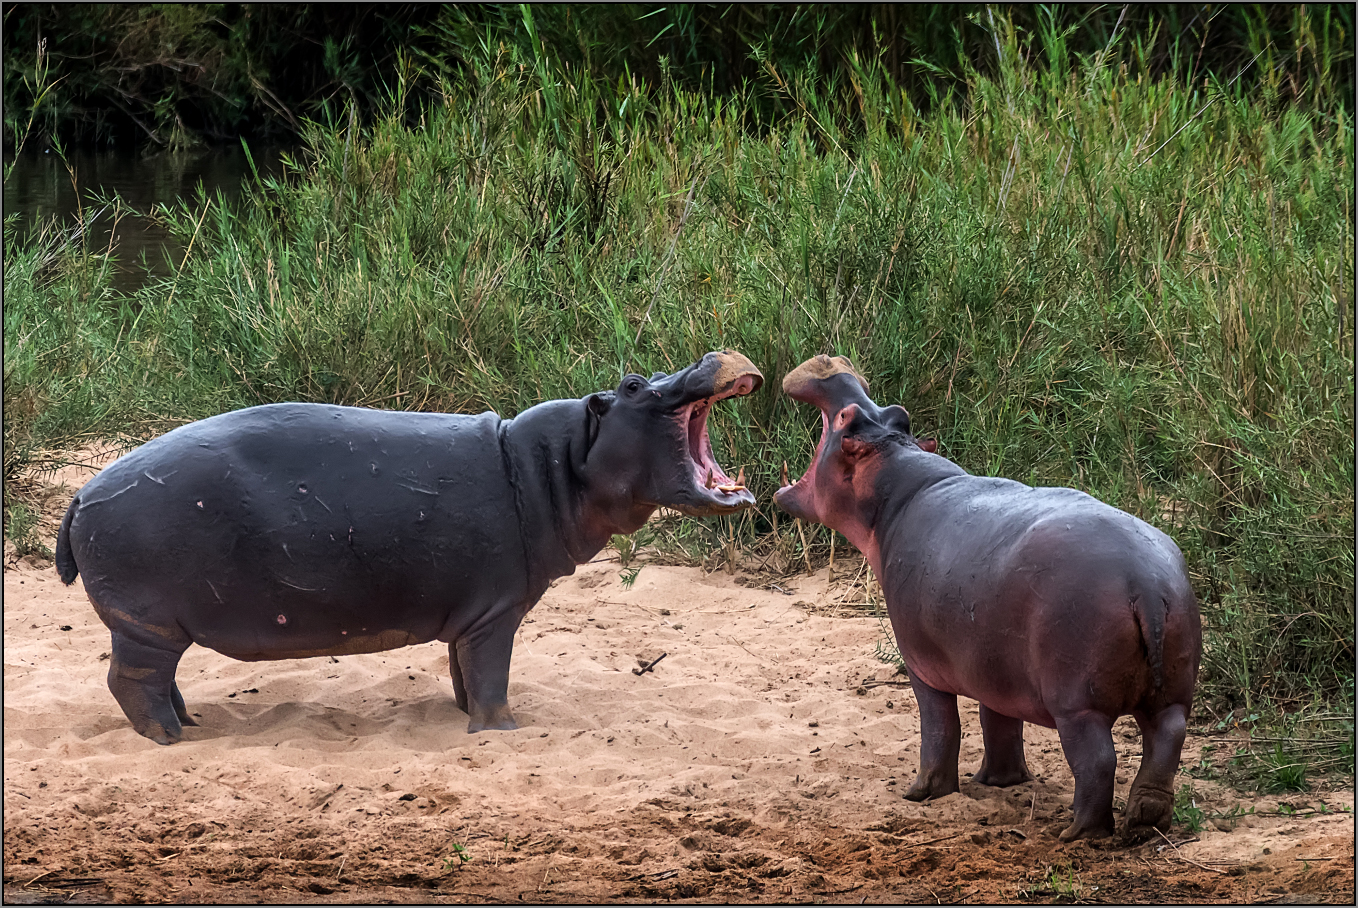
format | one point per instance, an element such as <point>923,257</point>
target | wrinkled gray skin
<point>1043,604</point>
<point>294,530</point>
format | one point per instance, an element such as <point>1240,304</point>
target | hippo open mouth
<point>658,449</point>
<point>829,383</point>
<point>711,482</point>
<point>807,482</point>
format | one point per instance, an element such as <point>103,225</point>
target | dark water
<point>40,188</point>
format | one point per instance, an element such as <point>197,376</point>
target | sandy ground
<point>763,760</point>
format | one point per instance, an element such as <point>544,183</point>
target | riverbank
<point>763,760</point>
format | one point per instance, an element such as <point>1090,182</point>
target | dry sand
<point>763,759</point>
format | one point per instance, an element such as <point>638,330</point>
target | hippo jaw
<point>704,488</point>
<point>653,449</point>
<point>829,383</point>
<point>838,488</point>
<point>710,490</point>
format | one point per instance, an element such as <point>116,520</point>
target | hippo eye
<point>633,386</point>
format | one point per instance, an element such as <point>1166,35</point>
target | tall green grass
<point>1073,272</point>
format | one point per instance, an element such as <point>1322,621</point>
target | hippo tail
<point>1150,613</point>
<point>67,569</point>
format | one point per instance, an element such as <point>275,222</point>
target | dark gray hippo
<point>293,530</point>
<point>1045,605</point>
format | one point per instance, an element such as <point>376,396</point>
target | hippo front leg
<point>940,741</point>
<point>479,664</point>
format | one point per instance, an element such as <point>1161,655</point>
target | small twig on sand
<point>547,873</point>
<point>747,649</point>
<point>649,665</point>
<point>932,841</point>
<point>654,877</point>
<point>1181,854</point>
<point>38,877</point>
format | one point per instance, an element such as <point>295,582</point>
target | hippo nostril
<point>302,488</point>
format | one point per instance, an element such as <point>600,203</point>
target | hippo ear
<point>896,419</point>
<point>596,407</point>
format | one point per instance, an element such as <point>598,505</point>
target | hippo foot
<point>166,731</point>
<point>925,789</point>
<point>496,720</point>
<point>1084,828</point>
<point>1147,810</point>
<point>161,735</point>
<point>1002,779</point>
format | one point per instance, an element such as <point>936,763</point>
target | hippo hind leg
<point>141,678</point>
<point>1150,804</point>
<point>459,685</point>
<point>1003,764</point>
<point>1087,739</point>
<point>180,710</point>
<point>940,741</point>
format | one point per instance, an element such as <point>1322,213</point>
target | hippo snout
<point>733,374</point>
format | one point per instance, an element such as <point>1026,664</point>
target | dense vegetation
<point>170,75</point>
<point>1092,269</point>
